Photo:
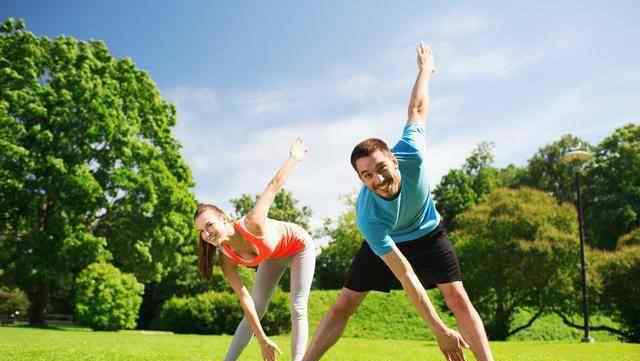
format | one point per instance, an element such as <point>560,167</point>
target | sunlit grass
<point>62,344</point>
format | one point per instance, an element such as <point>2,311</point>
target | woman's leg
<point>302,268</point>
<point>267,277</point>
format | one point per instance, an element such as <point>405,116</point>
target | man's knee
<point>347,303</point>
<point>456,298</point>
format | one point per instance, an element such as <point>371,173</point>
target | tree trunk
<point>38,299</point>
<point>498,328</point>
<point>148,308</point>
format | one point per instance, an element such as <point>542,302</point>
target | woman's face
<point>211,227</point>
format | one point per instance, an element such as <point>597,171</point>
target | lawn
<point>78,344</point>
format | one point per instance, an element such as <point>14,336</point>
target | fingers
<point>423,49</point>
<point>464,342</point>
<point>447,356</point>
<point>454,356</point>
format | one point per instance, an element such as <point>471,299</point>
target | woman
<point>256,240</point>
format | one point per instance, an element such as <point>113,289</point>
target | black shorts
<point>432,257</point>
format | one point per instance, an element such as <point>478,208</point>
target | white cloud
<point>258,103</point>
<point>458,25</point>
<point>494,63</point>
<point>359,86</point>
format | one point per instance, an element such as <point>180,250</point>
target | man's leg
<point>332,325</point>
<point>468,319</point>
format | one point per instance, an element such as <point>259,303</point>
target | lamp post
<point>578,157</point>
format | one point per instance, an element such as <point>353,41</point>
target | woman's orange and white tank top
<point>292,239</point>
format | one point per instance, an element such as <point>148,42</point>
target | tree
<point>620,295</point>
<point>546,171</point>
<point>88,165</point>
<point>333,263</point>
<point>460,189</point>
<point>612,206</point>
<point>454,195</point>
<point>518,250</point>
<point>284,208</point>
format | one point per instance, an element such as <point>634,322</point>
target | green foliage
<point>333,263</point>
<point>185,280</point>
<point>546,170</point>
<point>107,299</point>
<point>518,251</point>
<point>89,168</point>
<point>284,208</point>
<point>460,189</point>
<point>218,313</point>
<point>12,300</point>
<point>621,290</point>
<point>630,239</point>
<point>454,195</point>
<point>612,189</point>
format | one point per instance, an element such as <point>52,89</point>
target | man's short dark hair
<point>366,147</point>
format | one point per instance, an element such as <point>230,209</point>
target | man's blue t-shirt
<point>412,214</point>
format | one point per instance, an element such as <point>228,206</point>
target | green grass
<point>385,328</point>
<point>391,316</point>
<point>62,344</point>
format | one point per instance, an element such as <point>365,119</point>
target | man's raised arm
<point>419,102</point>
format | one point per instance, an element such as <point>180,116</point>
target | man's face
<point>379,172</point>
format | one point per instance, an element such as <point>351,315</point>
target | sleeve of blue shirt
<point>412,141</point>
<point>377,237</point>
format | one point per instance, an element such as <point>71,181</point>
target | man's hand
<point>297,150</point>
<point>425,58</point>
<point>270,350</point>
<point>451,344</point>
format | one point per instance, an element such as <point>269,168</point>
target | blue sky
<point>248,77</point>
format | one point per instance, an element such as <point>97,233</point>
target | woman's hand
<point>270,350</point>
<point>298,149</point>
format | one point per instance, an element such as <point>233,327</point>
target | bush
<point>218,313</point>
<point>621,290</point>
<point>12,300</point>
<point>107,299</point>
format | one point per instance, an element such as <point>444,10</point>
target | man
<point>404,238</point>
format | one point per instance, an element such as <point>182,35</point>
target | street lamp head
<point>577,156</point>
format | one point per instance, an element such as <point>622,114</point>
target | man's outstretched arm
<point>419,102</point>
<point>449,341</point>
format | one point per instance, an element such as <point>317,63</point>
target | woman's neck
<point>235,239</point>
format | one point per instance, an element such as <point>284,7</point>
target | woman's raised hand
<point>298,149</point>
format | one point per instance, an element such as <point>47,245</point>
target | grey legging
<point>267,277</point>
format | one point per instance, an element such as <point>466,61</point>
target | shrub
<point>621,290</point>
<point>107,299</point>
<point>220,312</point>
<point>12,300</point>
